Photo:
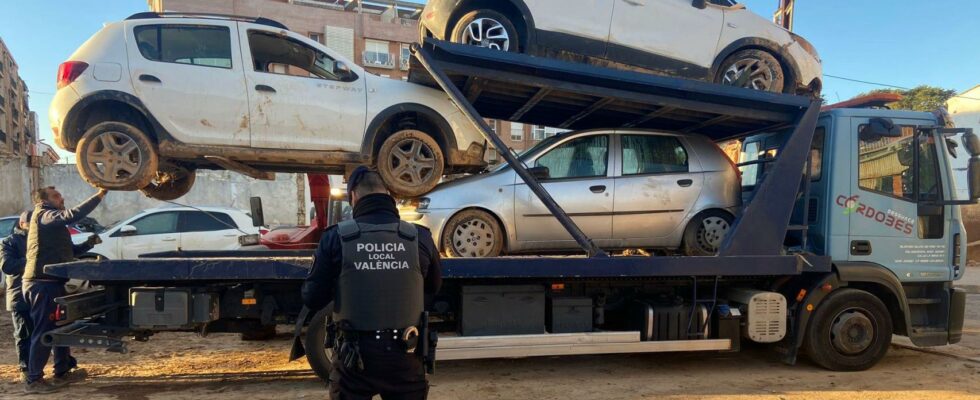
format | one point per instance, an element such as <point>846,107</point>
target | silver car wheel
<point>711,232</point>
<point>487,32</point>
<point>412,162</point>
<point>473,238</point>
<point>749,73</point>
<point>115,157</point>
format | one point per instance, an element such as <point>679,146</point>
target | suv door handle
<point>685,182</point>
<point>149,78</point>
<point>597,188</point>
<point>168,239</point>
<point>265,88</point>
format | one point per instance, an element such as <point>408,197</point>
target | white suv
<point>146,101</point>
<point>171,228</point>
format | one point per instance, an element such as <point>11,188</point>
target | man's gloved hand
<point>93,240</point>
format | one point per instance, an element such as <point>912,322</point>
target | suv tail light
<point>68,71</point>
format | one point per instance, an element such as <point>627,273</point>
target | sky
<point>903,43</point>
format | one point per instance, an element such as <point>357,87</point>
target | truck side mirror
<point>127,230</point>
<point>343,71</point>
<point>255,206</point>
<point>973,176</point>
<point>540,172</point>
<point>972,144</point>
<point>699,4</point>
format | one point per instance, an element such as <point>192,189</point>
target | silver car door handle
<point>265,88</point>
<point>149,78</point>
<point>597,188</point>
<point>685,182</point>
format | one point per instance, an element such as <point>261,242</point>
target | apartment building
<point>375,34</point>
<point>17,123</point>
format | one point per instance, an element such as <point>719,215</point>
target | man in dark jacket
<point>13,256</point>
<point>375,270</point>
<point>49,242</point>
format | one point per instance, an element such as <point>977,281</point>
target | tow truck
<point>850,232</point>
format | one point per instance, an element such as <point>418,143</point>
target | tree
<point>919,98</point>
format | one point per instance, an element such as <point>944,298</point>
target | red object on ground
<point>304,237</point>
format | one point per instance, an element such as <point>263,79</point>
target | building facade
<point>17,124</point>
<point>374,34</point>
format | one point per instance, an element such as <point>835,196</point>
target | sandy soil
<point>185,366</point>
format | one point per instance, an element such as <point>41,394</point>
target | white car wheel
<point>411,163</point>
<point>116,156</point>
<point>486,28</point>
<point>752,69</point>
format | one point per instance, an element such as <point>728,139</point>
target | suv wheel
<point>487,28</point>
<point>705,232</point>
<point>752,69</point>
<point>170,183</point>
<point>410,162</point>
<point>116,156</point>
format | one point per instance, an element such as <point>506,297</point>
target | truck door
<point>888,225</point>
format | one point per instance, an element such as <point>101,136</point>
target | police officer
<point>375,269</point>
<point>49,242</point>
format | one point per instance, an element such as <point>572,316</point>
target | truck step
<point>923,301</point>
<point>519,346</point>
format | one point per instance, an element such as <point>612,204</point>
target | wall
<point>15,185</point>
<point>280,198</point>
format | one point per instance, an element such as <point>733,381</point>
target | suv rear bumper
<point>64,99</point>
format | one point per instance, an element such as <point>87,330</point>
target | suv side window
<point>155,224</point>
<point>185,44</point>
<point>584,157</point>
<point>198,221</point>
<point>648,154</point>
<point>276,54</point>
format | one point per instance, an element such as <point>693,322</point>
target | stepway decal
<point>380,256</point>
<point>889,218</point>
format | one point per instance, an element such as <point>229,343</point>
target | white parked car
<point>148,100</point>
<point>7,225</point>
<point>710,40</point>
<point>171,228</point>
<point>626,189</point>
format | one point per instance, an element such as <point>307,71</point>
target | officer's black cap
<point>354,179</point>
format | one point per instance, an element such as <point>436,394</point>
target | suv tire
<point>116,156</point>
<point>489,22</point>
<point>170,183</point>
<point>765,71</point>
<point>410,162</point>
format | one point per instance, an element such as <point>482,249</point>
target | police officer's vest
<point>381,282</point>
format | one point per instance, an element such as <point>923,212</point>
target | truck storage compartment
<point>159,308</point>
<point>669,322</point>
<point>765,314</point>
<point>569,314</point>
<point>502,310</point>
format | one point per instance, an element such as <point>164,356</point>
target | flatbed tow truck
<point>847,235</point>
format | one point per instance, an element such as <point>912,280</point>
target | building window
<point>406,56</point>
<point>516,132</point>
<point>538,132</point>
<point>316,37</point>
<point>376,54</point>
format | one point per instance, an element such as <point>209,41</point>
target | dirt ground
<point>186,366</point>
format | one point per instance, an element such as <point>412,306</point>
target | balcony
<point>378,60</point>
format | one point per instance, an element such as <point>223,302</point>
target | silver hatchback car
<point>626,189</point>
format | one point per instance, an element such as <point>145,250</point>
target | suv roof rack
<point>257,20</point>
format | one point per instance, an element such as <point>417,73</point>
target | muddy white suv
<point>148,100</point>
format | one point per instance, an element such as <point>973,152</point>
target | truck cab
<point>882,198</point>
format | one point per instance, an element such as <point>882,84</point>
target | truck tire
<point>317,355</point>
<point>170,183</point>
<point>472,233</point>
<point>410,162</point>
<point>850,331</point>
<point>116,156</point>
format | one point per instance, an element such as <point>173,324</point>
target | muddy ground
<point>186,366</point>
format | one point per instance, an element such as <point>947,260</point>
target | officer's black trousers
<point>389,371</point>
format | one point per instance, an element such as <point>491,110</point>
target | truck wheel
<point>472,233</point>
<point>317,354</point>
<point>170,183</point>
<point>487,28</point>
<point>410,163</point>
<point>705,232</point>
<point>753,69</point>
<point>116,156</point>
<point>850,331</point>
